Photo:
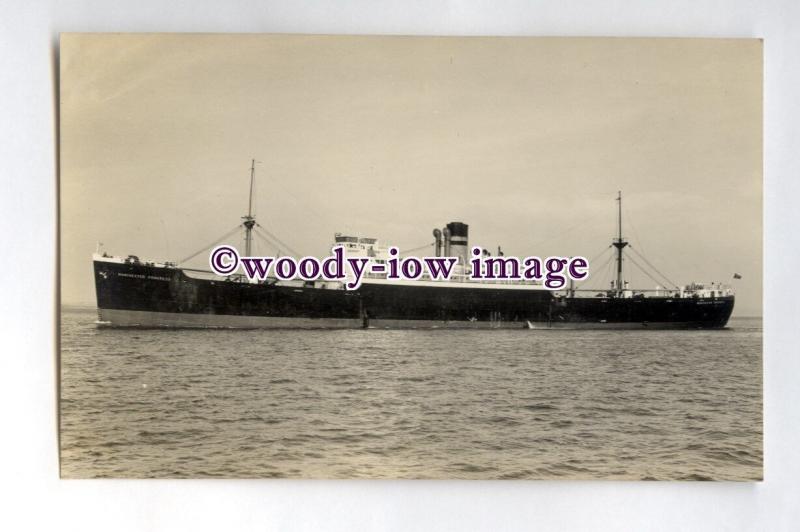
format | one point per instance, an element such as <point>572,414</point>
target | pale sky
<point>525,139</point>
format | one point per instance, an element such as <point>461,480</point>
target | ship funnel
<point>446,234</point>
<point>437,234</point>
<point>459,241</point>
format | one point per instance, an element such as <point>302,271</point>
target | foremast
<point>249,219</point>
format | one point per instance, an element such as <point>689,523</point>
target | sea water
<point>473,404</point>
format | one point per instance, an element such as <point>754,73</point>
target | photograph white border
<point>35,498</point>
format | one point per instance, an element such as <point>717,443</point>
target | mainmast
<point>619,243</point>
<point>249,219</point>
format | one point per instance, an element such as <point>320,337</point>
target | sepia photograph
<point>396,257</point>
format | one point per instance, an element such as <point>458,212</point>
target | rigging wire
<point>596,257</point>
<point>629,220</point>
<point>403,252</point>
<point>279,246</point>
<point>641,255</point>
<point>217,241</point>
<point>605,250</point>
<point>269,243</point>
<point>665,278</point>
<point>645,271</point>
<point>600,269</point>
<point>611,272</point>
<point>608,266</point>
<point>279,241</point>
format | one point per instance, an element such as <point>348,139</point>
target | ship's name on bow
<point>143,276</point>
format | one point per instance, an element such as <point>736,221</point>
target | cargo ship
<point>138,293</point>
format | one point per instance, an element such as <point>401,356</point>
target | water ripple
<point>681,405</point>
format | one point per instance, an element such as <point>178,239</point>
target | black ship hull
<point>135,294</point>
